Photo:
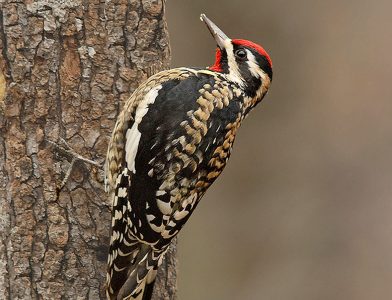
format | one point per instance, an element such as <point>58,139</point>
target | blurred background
<point>303,210</point>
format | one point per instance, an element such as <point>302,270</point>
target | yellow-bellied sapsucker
<point>171,141</point>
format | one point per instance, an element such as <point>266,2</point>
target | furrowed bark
<point>66,68</point>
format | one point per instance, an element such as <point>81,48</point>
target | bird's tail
<point>134,280</point>
<point>121,258</point>
<point>132,265</point>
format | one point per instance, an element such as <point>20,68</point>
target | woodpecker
<point>170,143</point>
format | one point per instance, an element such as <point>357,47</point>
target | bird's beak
<point>220,38</point>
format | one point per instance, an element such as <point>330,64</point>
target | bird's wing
<point>115,158</point>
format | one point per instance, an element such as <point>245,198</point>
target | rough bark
<point>66,69</point>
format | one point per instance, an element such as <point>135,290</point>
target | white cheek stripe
<point>254,67</point>
<point>256,71</point>
<point>234,73</point>
<point>133,134</point>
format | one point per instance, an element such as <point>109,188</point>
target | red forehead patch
<point>254,46</point>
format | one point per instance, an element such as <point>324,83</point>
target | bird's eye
<point>240,53</point>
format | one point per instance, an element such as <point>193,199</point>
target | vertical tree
<point>66,68</point>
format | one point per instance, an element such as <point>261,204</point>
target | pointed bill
<point>218,34</point>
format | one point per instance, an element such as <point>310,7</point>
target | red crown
<point>254,46</point>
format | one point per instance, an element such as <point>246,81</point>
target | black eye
<point>240,53</point>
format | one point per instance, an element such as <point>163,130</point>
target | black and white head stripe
<point>244,63</point>
<point>265,60</point>
<point>261,61</point>
<point>234,73</point>
<point>246,67</point>
<point>257,63</point>
<point>254,68</point>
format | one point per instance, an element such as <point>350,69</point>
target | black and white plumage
<point>171,141</point>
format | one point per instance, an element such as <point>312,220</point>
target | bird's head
<point>243,62</point>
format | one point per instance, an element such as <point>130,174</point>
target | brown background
<point>303,210</point>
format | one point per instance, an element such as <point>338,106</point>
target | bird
<point>170,142</point>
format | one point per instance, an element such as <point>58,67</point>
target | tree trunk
<point>66,69</point>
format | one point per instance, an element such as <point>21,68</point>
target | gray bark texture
<point>66,68</point>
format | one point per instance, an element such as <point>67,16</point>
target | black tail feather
<point>148,290</point>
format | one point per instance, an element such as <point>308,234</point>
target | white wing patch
<point>133,134</point>
<point>133,138</point>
